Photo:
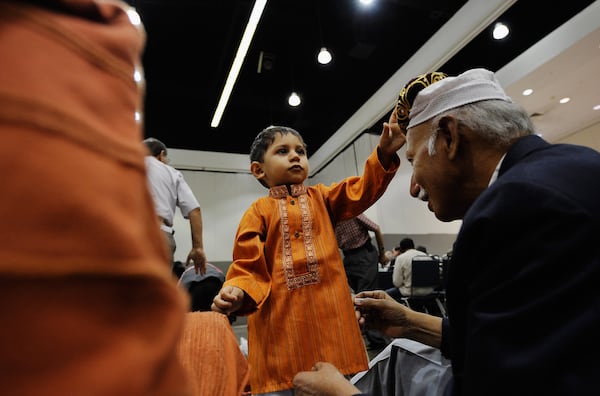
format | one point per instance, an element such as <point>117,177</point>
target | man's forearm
<point>379,239</point>
<point>195,217</point>
<point>380,246</point>
<point>425,328</point>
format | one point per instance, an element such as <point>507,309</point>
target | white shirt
<point>402,275</point>
<point>169,190</point>
<point>496,171</point>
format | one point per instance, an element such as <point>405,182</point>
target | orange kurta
<point>287,260</point>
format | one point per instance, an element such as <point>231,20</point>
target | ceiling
<point>191,45</point>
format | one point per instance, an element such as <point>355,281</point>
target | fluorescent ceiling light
<point>257,11</point>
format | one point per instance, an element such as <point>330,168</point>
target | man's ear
<point>448,131</point>
<point>257,170</point>
<point>162,156</point>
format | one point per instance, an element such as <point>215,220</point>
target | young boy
<point>287,273</point>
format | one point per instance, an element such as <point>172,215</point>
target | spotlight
<point>294,100</point>
<point>500,31</point>
<point>324,56</point>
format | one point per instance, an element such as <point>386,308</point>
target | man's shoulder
<point>158,167</point>
<point>411,253</point>
<point>150,160</point>
<point>406,257</point>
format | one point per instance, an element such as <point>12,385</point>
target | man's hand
<point>198,257</point>
<point>383,258</point>
<point>377,310</point>
<point>323,380</point>
<point>197,253</point>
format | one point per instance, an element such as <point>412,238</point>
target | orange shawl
<point>211,355</point>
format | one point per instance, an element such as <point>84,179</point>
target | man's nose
<point>414,187</point>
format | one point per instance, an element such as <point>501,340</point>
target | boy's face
<point>285,162</point>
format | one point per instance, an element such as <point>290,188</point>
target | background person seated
<point>202,287</point>
<point>178,268</point>
<point>402,275</point>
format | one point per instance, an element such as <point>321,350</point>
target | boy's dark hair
<point>265,138</point>
<point>155,146</point>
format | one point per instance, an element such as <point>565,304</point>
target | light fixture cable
<point>324,56</point>
<point>294,99</point>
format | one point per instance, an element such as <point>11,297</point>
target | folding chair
<point>426,273</point>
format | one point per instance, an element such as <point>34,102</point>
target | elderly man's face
<point>433,179</point>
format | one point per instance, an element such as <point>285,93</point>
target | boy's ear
<point>257,170</point>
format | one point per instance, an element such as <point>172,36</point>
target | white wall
<point>223,199</point>
<point>225,196</point>
<point>589,137</point>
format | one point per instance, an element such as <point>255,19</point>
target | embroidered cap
<point>448,93</point>
<point>409,93</point>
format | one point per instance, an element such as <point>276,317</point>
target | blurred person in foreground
<point>89,304</point>
<point>527,246</point>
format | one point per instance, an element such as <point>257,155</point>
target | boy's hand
<point>229,300</point>
<point>392,139</point>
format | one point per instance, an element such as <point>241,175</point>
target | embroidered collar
<point>282,191</point>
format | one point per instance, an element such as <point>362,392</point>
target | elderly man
<point>527,245</point>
